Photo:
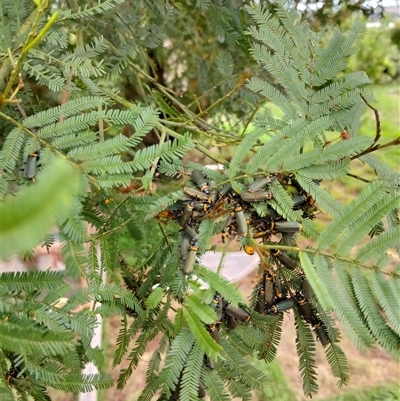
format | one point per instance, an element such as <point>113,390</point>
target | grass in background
<point>277,387</point>
<point>379,393</point>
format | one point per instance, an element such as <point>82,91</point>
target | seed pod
<point>258,196</point>
<point>199,179</point>
<point>240,220</point>
<point>321,333</point>
<point>280,307</point>
<point>285,259</point>
<point>307,290</point>
<point>196,194</point>
<point>189,232</point>
<point>190,260</point>
<point>187,214</point>
<point>287,227</point>
<point>259,184</point>
<point>31,164</point>
<point>238,313</point>
<point>304,308</point>
<point>249,249</point>
<point>202,390</point>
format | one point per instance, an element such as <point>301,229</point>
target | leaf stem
<point>317,252</point>
<point>29,43</point>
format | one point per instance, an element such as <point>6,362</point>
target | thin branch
<point>377,119</point>
<point>357,177</point>
<point>316,252</point>
<point>221,99</point>
<point>371,149</point>
<point>66,91</point>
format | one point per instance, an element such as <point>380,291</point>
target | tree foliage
<point>266,191</point>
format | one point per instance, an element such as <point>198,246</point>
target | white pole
<point>90,368</point>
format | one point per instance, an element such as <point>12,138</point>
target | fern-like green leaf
<point>316,281</point>
<point>305,345</point>
<point>191,374</point>
<point>215,387</point>
<point>386,337</point>
<point>348,313</point>
<point>154,298</point>
<point>372,216</point>
<point>175,359</point>
<point>338,362</point>
<point>202,336</point>
<point>387,299</point>
<point>220,285</point>
<point>31,281</point>
<point>241,152</point>
<point>379,244</point>
<point>349,215</point>
<point>204,312</point>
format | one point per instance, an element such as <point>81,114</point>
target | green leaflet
<point>316,281</point>
<point>347,312</point>
<point>248,373</point>
<point>326,201</point>
<point>349,215</point>
<point>154,298</point>
<point>201,335</point>
<point>267,90</point>
<point>220,284</point>
<point>330,153</point>
<point>241,152</point>
<point>338,362</point>
<point>27,218</point>
<point>35,280</point>
<point>386,337</point>
<point>215,386</point>
<point>37,340</point>
<point>386,298</point>
<point>204,312</point>
<point>193,370</point>
<point>176,359</point>
<point>379,244</point>
<point>11,147</point>
<point>65,110</point>
<point>371,216</point>
<point>84,383</point>
<point>305,346</point>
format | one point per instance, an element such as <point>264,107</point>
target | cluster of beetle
<point>274,295</point>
